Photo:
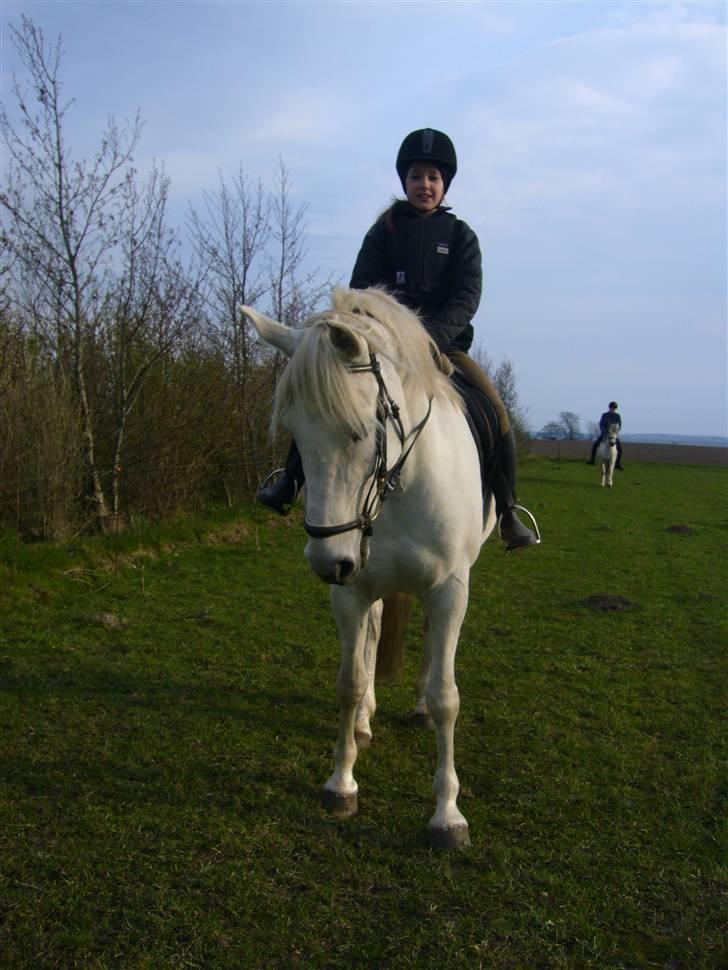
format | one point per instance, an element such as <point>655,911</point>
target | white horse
<point>607,454</point>
<point>393,505</point>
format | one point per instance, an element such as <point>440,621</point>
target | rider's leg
<point>595,445</point>
<point>282,493</point>
<point>513,532</point>
<point>618,464</point>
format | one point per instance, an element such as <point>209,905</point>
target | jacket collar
<point>404,208</point>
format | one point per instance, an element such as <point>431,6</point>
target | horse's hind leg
<point>368,704</point>
<point>445,609</point>
<point>351,614</point>
<point>421,715</point>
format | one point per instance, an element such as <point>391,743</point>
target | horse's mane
<point>317,372</point>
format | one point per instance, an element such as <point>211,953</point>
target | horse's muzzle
<point>337,571</point>
<point>342,573</point>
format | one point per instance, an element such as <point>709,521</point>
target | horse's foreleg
<point>445,610</point>
<point>351,614</point>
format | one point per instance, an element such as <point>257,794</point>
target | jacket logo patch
<point>400,276</point>
<point>443,249</point>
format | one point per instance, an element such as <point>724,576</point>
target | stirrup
<point>280,496</point>
<point>522,508</point>
<point>534,534</point>
<point>274,474</point>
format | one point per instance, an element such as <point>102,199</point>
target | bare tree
<point>230,244</point>
<point>61,220</point>
<point>95,268</point>
<point>553,429</point>
<point>503,378</point>
<point>294,294</point>
<point>570,423</point>
<point>152,305</point>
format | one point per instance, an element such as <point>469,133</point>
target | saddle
<point>483,422</point>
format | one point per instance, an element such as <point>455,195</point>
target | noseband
<point>384,480</point>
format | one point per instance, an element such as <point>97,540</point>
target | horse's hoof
<point>455,837</point>
<point>422,719</point>
<point>342,806</point>
<point>362,739</point>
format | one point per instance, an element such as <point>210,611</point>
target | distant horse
<point>393,505</point>
<point>607,453</point>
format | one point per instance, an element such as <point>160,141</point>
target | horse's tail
<point>390,651</point>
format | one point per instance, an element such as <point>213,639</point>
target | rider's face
<point>424,186</point>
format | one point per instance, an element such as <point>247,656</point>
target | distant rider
<point>609,417</point>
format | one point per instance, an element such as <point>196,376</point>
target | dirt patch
<point>604,602</point>
<point>126,560</point>
<point>681,530</point>
<point>235,532</point>
<point>109,621</point>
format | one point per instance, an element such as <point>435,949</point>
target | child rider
<point>430,261</point>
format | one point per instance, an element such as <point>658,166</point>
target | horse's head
<point>612,433</point>
<point>330,400</point>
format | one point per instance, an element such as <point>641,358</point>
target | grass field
<point>167,715</point>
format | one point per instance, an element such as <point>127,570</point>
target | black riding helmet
<point>427,145</point>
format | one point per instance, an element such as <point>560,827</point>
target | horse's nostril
<point>344,569</point>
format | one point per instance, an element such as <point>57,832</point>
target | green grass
<point>167,714</point>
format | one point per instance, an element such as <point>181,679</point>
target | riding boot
<point>618,465</point>
<point>595,445</point>
<point>281,495</point>
<point>512,531</point>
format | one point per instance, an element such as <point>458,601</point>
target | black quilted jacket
<point>432,264</point>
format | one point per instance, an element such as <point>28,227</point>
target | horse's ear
<point>276,334</point>
<point>346,341</point>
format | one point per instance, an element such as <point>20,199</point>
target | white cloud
<point>310,117</point>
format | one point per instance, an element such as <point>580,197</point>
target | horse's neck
<point>441,449</point>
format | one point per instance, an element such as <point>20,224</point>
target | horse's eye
<point>356,438</point>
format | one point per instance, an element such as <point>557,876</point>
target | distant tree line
<point>567,428</point>
<point>129,383</point>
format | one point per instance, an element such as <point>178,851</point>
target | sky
<point>591,141</point>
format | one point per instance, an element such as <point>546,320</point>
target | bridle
<point>384,480</point>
